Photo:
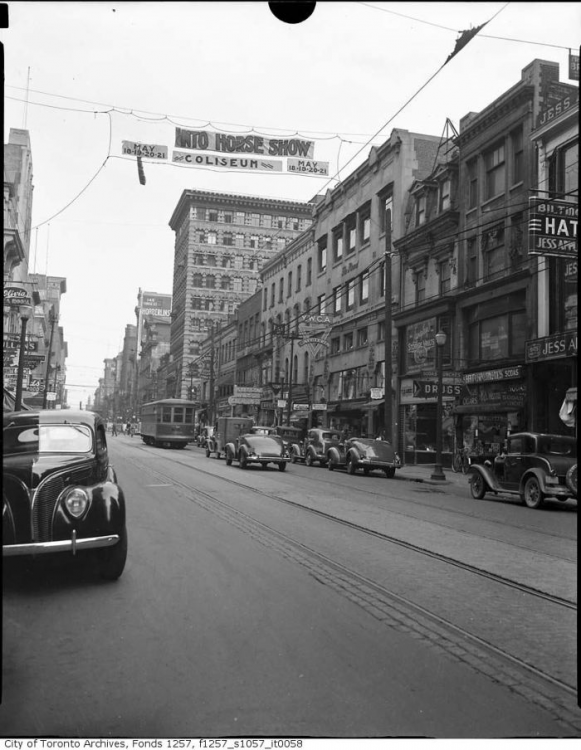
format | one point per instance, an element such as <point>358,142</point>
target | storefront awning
<point>349,406</point>
<point>483,409</point>
<point>373,404</point>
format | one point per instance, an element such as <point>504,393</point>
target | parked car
<point>318,443</point>
<point>60,493</point>
<point>203,436</point>
<point>258,449</point>
<point>535,466</point>
<point>364,453</point>
<point>293,438</point>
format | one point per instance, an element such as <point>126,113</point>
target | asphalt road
<point>240,613</point>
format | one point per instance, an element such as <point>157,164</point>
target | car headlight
<point>77,502</point>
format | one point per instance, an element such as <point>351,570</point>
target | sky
<point>82,77</point>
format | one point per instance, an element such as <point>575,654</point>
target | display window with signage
<point>418,433</point>
<point>420,344</point>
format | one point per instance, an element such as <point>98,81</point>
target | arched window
<point>210,282</point>
<point>198,280</point>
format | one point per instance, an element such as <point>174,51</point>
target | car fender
<point>354,455</point>
<point>334,455</point>
<point>105,515</point>
<point>539,475</point>
<point>230,450</point>
<point>487,475</point>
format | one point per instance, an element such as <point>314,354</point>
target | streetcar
<point>168,423</point>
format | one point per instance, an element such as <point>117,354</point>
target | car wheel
<point>323,463</point>
<point>243,462</point>
<point>478,486</point>
<point>390,473</point>
<point>330,464</point>
<point>350,466</point>
<point>282,466</point>
<point>112,559</point>
<point>533,495</point>
<point>207,453</point>
<point>309,459</point>
<point>228,458</point>
<point>263,466</point>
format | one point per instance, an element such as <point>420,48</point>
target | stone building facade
<point>222,241</point>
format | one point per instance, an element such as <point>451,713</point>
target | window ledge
<point>491,200</point>
<point>517,185</point>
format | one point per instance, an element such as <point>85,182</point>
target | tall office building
<point>221,243</point>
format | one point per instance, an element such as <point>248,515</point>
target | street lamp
<point>438,471</point>
<point>25,314</point>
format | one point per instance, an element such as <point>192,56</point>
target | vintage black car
<point>60,493</point>
<point>293,438</point>
<point>258,449</point>
<point>363,453</point>
<point>318,443</point>
<point>535,466</point>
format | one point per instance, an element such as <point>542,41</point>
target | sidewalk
<point>424,473</point>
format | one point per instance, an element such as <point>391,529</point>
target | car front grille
<point>45,499</point>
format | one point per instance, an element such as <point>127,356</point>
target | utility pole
<point>388,417</point>
<point>211,394</point>
<point>290,379</point>
<point>52,319</point>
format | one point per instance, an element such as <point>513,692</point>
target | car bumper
<point>371,464</point>
<point>65,545</point>
<point>560,491</point>
<point>268,460</point>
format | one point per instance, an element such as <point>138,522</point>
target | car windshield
<point>60,438</point>
<point>557,445</point>
<point>331,436</point>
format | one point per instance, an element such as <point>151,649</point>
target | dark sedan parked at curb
<point>363,453</point>
<point>60,493</point>
<point>535,466</point>
<point>317,446</point>
<point>258,449</point>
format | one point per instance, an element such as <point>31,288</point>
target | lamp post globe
<point>438,470</point>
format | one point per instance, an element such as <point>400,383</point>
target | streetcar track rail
<point>546,690</point>
<point>440,523</point>
<point>402,543</point>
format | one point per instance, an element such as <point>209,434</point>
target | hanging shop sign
<point>248,392</point>
<point>233,143</point>
<point>226,162</point>
<point>553,227</point>
<point>156,304</point>
<point>552,347</point>
<point>488,376</point>
<point>14,343</point>
<point>429,389</point>
<point>376,393</point>
<point>16,295</point>
<point>308,166</point>
<point>573,67</point>
<point>148,150</point>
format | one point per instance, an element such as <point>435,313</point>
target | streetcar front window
<point>178,414</point>
<point>166,414</point>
